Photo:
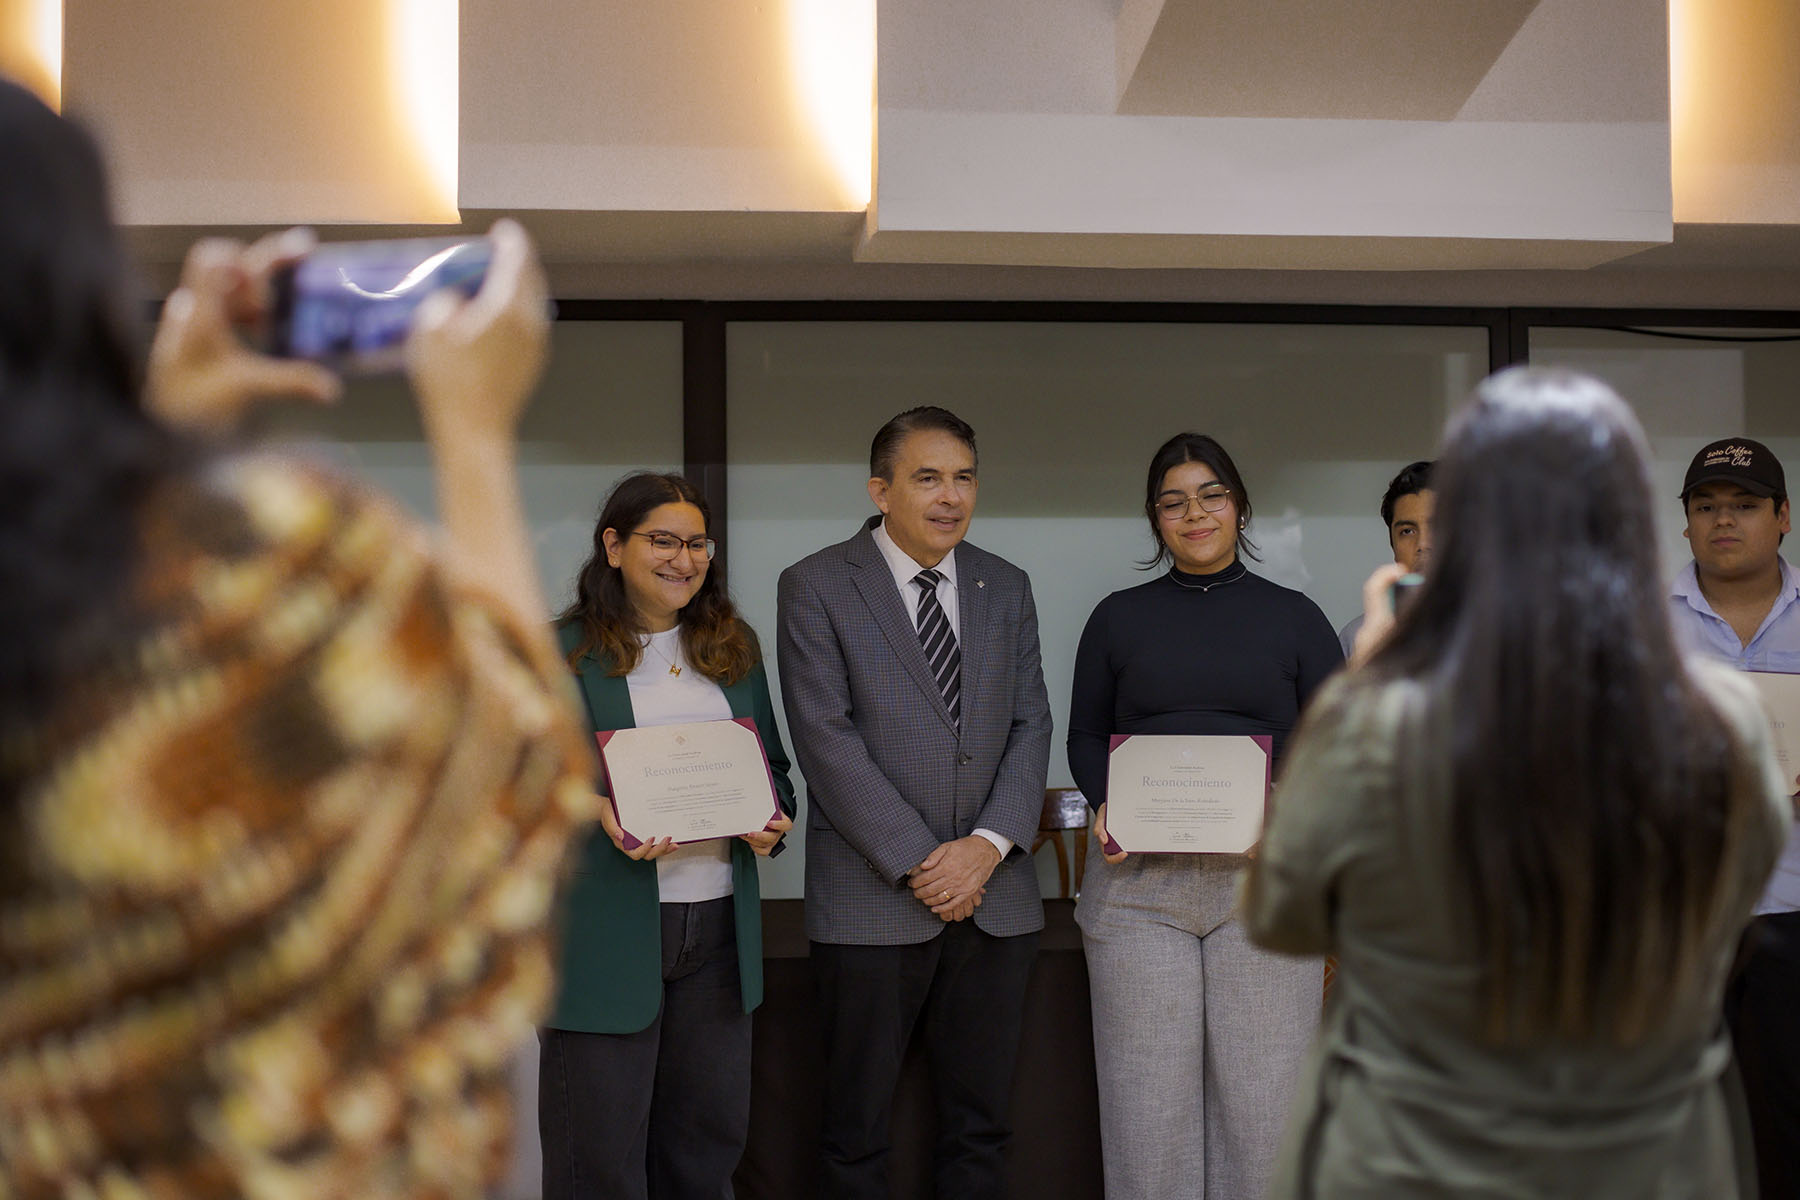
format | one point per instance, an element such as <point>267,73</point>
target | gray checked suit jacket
<point>888,777</point>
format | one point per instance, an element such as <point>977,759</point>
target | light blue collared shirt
<point>1776,647</point>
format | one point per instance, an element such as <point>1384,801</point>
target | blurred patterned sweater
<point>273,897</point>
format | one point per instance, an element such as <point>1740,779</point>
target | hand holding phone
<point>351,305</point>
<point>1378,611</point>
<point>474,363</point>
<point>201,375</point>
<point>1402,591</point>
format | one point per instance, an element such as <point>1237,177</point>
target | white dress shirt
<point>904,569</point>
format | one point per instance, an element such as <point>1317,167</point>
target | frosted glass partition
<point>1688,393</point>
<point>610,403</point>
<point>1317,417</point>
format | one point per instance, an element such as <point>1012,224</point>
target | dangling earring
<point>1240,522</point>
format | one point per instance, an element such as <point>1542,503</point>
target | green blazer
<point>609,960</point>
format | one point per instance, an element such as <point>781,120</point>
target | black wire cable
<point>1691,337</point>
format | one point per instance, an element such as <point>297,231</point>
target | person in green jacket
<point>644,1075</point>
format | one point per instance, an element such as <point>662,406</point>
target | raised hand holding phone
<point>202,376</point>
<point>473,364</point>
<point>1378,611</point>
<point>351,305</point>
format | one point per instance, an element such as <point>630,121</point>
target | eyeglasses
<point>666,545</point>
<point>1212,500</point>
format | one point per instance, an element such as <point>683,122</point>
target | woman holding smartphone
<point>644,1084</point>
<point>1198,1036</point>
<point>284,792</point>
<point>1532,834</point>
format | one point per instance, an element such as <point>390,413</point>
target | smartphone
<point>350,305</point>
<point>1403,590</point>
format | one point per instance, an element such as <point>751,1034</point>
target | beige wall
<point>25,47</point>
<point>222,112</point>
<point>676,106</point>
<point>1737,111</point>
<point>683,133</point>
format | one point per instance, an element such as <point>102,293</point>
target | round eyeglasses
<point>1212,500</point>
<point>666,546</point>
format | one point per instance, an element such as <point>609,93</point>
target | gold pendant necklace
<point>674,668</point>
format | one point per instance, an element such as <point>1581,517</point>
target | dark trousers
<point>1762,1006</point>
<point>966,989</point>
<point>660,1114</point>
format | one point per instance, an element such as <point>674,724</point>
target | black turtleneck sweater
<point>1226,653</point>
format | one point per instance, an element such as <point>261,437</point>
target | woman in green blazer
<point>644,1080</point>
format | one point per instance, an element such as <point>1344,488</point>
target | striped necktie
<point>940,644</point>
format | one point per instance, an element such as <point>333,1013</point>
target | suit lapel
<point>972,616</point>
<point>869,572</point>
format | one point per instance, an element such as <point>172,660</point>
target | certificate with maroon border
<point>1781,700</point>
<point>691,782</point>
<point>1187,793</point>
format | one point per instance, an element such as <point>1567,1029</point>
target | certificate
<point>690,782</point>
<point>1781,700</point>
<point>1182,794</point>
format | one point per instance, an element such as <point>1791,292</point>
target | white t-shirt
<point>659,696</point>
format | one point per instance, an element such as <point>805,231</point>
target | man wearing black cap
<point>1739,600</point>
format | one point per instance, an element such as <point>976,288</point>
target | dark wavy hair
<point>1590,781</point>
<point>1187,448</point>
<point>1412,479</point>
<point>78,453</point>
<point>718,641</point>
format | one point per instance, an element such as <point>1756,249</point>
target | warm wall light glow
<point>46,43</point>
<point>833,55</point>
<point>423,34</point>
<point>31,46</point>
<point>1681,75</point>
<point>1734,90</point>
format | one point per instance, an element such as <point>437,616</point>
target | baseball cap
<point>1748,464</point>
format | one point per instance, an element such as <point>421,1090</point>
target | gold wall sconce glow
<point>832,54</point>
<point>31,46</point>
<point>423,41</point>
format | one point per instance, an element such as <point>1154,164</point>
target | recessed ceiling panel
<point>1359,59</point>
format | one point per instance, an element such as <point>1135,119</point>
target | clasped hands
<point>953,878</point>
<point>762,842</point>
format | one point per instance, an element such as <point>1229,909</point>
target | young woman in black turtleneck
<point>1198,1036</point>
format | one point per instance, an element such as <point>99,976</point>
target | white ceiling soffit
<point>1403,60</point>
<point>1228,252</point>
<point>1283,134</point>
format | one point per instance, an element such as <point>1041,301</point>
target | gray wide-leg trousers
<point>1198,1035</point>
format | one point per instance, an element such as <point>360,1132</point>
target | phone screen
<point>350,305</point>
<point>1403,591</point>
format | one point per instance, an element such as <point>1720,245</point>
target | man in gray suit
<point>916,703</point>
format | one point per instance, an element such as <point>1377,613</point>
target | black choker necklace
<point>1228,575</point>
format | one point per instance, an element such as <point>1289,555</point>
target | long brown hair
<point>1590,781</point>
<point>714,638</point>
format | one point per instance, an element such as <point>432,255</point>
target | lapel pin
<point>981,583</point>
